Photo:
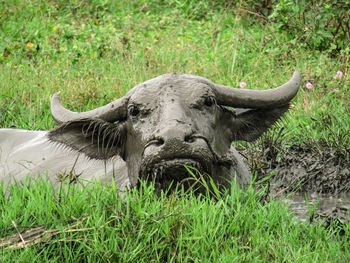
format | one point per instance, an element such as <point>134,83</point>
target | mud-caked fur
<point>171,120</point>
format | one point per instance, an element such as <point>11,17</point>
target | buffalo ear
<point>250,124</point>
<point>96,138</point>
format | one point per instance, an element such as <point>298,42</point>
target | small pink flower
<point>338,75</point>
<point>242,84</point>
<point>309,85</point>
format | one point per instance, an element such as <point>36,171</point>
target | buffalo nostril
<point>159,142</point>
<point>155,142</point>
<point>190,139</point>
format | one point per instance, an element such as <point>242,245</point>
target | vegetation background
<point>94,51</point>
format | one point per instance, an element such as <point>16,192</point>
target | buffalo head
<point>173,120</point>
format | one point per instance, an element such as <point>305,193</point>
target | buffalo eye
<point>133,110</point>
<point>209,101</point>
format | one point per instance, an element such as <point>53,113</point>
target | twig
<point>15,226</point>
<point>252,13</point>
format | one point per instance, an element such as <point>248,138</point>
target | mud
<point>315,207</point>
<point>313,179</point>
<point>301,168</point>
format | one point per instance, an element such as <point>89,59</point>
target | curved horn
<point>111,112</point>
<point>245,98</point>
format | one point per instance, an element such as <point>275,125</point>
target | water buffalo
<point>152,132</point>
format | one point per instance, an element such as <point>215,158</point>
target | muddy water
<point>302,169</point>
<point>309,207</point>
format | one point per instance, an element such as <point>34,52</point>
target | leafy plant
<point>321,25</point>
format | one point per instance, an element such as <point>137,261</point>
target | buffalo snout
<point>175,141</point>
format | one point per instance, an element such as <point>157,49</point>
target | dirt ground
<point>301,168</point>
<point>315,174</point>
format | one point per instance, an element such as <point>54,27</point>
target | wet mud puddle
<point>311,207</point>
<point>312,179</point>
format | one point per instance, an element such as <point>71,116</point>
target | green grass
<point>94,51</point>
<point>95,224</point>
